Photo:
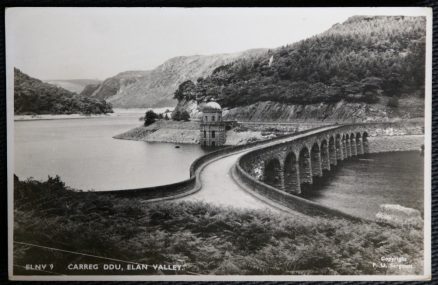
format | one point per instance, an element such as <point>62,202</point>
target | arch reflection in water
<point>294,167</point>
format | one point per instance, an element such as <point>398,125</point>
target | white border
<point>427,12</point>
<point>428,148</point>
<point>10,148</point>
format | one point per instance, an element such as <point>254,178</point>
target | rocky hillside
<point>32,96</point>
<point>73,85</point>
<point>365,68</point>
<point>115,85</point>
<point>342,111</point>
<point>155,88</point>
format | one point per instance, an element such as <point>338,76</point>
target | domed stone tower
<point>212,126</point>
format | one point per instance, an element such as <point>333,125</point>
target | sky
<point>96,43</point>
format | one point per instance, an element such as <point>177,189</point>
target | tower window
<point>212,118</point>
<point>213,134</point>
<point>206,118</point>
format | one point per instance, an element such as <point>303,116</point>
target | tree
<point>176,115</point>
<point>185,116</point>
<point>185,90</point>
<point>362,60</point>
<point>150,118</point>
<point>393,84</point>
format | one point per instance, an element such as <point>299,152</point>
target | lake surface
<point>359,186</point>
<point>84,154</point>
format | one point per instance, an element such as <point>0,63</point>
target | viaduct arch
<point>290,165</point>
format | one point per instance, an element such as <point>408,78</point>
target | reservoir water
<point>359,186</point>
<point>84,154</point>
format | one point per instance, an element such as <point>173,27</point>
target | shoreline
<point>21,118</point>
<point>188,132</point>
<point>117,112</point>
<point>163,131</point>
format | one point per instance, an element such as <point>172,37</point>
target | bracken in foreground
<point>202,238</point>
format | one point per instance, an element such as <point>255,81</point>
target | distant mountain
<point>73,85</point>
<point>33,96</point>
<point>366,63</point>
<point>114,86</point>
<point>155,88</point>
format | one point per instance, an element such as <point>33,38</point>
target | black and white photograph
<point>219,144</point>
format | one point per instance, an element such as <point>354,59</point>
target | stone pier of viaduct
<point>287,166</point>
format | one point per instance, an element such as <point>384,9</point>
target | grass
<point>141,132</point>
<point>202,238</point>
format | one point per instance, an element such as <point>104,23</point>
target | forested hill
<point>371,60</point>
<point>32,96</point>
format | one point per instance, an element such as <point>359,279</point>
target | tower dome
<point>212,107</point>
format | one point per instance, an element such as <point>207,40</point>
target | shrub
<point>392,102</point>
<point>185,116</point>
<point>181,115</point>
<point>150,118</point>
<point>176,115</point>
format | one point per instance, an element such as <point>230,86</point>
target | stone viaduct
<point>287,166</point>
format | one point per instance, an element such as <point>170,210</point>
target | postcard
<point>275,144</point>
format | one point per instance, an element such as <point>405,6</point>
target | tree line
<point>360,60</point>
<point>151,117</point>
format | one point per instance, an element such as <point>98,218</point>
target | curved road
<point>221,189</point>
